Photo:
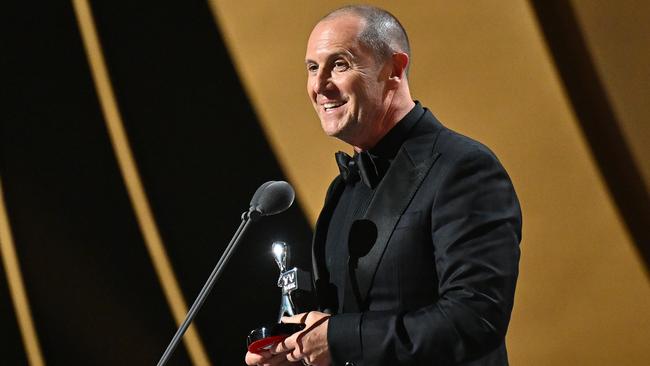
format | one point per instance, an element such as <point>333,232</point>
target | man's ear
<point>400,63</point>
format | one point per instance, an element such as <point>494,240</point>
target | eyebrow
<point>332,56</point>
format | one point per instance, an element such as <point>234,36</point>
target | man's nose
<point>323,81</point>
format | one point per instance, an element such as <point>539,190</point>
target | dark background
<point>201,153</point>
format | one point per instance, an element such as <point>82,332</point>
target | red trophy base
<point>262,339</point>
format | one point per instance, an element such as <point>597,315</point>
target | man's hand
<point>310,345</point>
<point>266,358</point>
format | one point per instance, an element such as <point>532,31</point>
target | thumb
<point>297,319</point>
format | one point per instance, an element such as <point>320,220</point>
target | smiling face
<point>346,84</point>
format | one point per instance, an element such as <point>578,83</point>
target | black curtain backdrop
<point>201,154</point>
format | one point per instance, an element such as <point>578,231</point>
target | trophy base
<point>263,338</point>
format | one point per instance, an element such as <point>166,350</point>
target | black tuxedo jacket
<point>437,286</point>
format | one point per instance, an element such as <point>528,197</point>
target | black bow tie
<point>363,166</point>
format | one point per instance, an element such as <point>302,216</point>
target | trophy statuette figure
<point>295,283</point>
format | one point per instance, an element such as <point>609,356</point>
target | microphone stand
<point>247,217</point>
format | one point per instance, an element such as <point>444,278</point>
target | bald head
<point>357,75</point>
<point>382,32</point>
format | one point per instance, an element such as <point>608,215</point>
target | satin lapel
<point>393,195</point>
<point>320,232</point>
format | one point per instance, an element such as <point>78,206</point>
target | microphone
<point>270,198</point>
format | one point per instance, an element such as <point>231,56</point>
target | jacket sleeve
<point>475,231</point>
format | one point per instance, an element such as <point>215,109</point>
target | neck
<point>398,106</point>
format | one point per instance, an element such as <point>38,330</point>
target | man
<point>416,250</point>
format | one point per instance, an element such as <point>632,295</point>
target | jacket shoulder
<point>450,144</point>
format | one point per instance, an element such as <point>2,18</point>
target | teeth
<point>332,105</point>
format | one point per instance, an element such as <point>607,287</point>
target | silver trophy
<point>287,281</point>
<point>296,285</point>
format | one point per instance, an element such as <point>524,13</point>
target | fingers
<point>287,345</point>
<point>266,358</point>
<point>297,356</point>
<point>301,345</point>
<point>277,360</point>
<point>309,319</point>
<point>292,348</point>
<point>257,358</point>
<point>314,323</point>
<point>297,319</point>
<point>310,344</point>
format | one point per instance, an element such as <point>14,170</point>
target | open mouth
<point>333,105</point>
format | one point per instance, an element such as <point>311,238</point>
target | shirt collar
<point>389,145</point>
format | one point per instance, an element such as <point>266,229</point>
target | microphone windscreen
<point>362,237</point>
<point>258,193</point>
<point>272,198</point>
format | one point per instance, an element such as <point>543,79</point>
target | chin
<point>331,128</point>
<point>333,133</point>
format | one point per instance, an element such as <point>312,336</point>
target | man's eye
<point>312,68</point>
<point>340,65</point>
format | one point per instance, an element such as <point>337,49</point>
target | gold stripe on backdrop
<point>133,182</point>
<point>17,288</point>
<point>484,70</point>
